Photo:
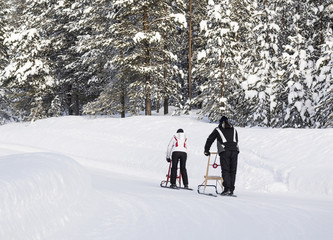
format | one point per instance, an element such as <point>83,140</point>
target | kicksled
<point>166,183</point>
<point>212,184</point>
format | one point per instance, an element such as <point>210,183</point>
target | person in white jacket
<point>177,151</point>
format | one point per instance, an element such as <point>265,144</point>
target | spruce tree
<point>4,111</point>
<point>246,61</point>
<point>143,32</point>
<point>3,50</point>
<point>193,42</point>
<point>5,29</point>
<point>218,61</point>
<point>298,68</point>
<point>67,33</point>
<point>92,46</point>
<point>112,92</point>
<point>263,67</point>
<point>324,81</point>
<point>29,74</point>
<point>197,41</point>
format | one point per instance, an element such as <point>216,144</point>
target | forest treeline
<point>260,62</point>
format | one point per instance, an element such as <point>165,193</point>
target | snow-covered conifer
<point>198,42</point>
<point>143,33</point>
<point>29,74</point>
<point>75,57</point>
<point>299,109</point>
<point>191,43</point>
<point>98,49</point>
<point>218,63</point>
<point>262,69</point>
<point>324,81</point>
<point>3,49</point>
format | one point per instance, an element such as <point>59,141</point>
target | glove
<point>168,160</point>
<point>207,153</point>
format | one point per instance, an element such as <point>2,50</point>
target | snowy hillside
<point>79,178</point>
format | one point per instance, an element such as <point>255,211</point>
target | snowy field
<point>83,178</point>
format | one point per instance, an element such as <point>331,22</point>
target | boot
<point>226,191</point>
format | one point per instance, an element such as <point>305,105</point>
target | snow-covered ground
<point>83,178</point>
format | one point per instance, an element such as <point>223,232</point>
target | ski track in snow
<point>121,163</point>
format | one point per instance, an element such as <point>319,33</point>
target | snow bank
<point>49,196</point>
<point>40,194</point>
<point>271,160</point>
<point>286,160</point>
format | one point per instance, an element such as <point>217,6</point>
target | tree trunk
<point>166,98</point>
<point>158,105</point>
<point>122,101</point>
<point>322,31</point>
<point>190,56</point>
<point>77,105</point>
<point>166,105</point>
<point>122,94</point>
<point>147,61</point>
<point>222,78</point>
<point>237,18</point>
<point>148,104</point>
<point>69,99</point>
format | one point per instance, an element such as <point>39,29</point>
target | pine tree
<point>279,95</point>
<point>217,63</point>
<point>322,58</point>
<point>5,23</point>
<point>196,12</point>
<point>329,99</point>
<point>75,65</point>
<point>143,32</point>
<point>72,50</point>
<point>193,40</point>
<point>3,49</point>
<point>92,47</point>
<point>3,63</point>
<point>297,66</point>
<point>29,75</point>
<point>324,83</point>
<point>246,61</point>
<point>113,98</point>
<point>112,92</point>
<point>263,66</point>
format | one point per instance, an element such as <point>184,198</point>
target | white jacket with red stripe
<point>177,143</point>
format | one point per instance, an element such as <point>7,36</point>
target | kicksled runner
<point>166,183</point>
<point>217,187</point>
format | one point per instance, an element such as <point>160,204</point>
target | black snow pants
<point>179,156</point>
<point>228,160</point>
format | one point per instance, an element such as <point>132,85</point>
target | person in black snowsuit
<point>227,146</point>
<point>177,151</point>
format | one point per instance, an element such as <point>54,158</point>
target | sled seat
<point>213,178</point>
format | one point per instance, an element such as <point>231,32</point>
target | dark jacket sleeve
<point>211,138</point>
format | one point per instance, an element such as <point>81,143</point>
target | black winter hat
<point>223,119</point>
<point>180,130</point>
